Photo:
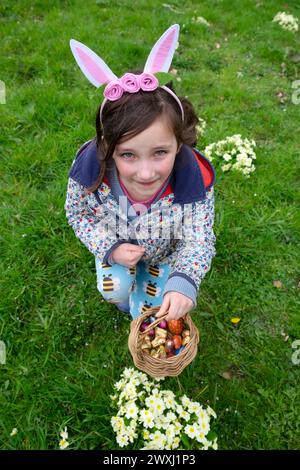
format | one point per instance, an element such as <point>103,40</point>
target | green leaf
<point>211,436</point>
<point>185,441</point>
<point>164,78</point>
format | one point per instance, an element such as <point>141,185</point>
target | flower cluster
<point>238,154</point>
<point>287,21</point>
<point>155,419</point>
<point>131,83</point>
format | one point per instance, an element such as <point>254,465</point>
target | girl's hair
<point>133,113</point>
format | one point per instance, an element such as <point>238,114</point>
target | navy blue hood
<point>192,174</point>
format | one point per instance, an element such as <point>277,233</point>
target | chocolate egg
<point>177,341</point>
<point>151,333</point>
<point>178,351</point>
<point>185,333</point>
<point>169,346</point>
<point>175,326</point>
<point>170,354</point>
<point>163,324</point>
<point>144,326</point>
<point>186,340</point>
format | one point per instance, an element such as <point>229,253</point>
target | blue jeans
<point>134,289</point>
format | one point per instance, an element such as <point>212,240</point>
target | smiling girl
<point>140,196</point>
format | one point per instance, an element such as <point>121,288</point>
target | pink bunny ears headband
<point>159,60</point>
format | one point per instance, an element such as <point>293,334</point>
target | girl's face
<point>145,161</point>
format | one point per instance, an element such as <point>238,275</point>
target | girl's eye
<point>126,155</point>
<point>161,152</point>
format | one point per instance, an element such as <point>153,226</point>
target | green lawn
<point>65,348</point>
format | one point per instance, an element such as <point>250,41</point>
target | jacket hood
<point>192,176</point>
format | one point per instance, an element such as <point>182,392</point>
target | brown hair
<point>133,113</point>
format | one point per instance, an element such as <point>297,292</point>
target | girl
<point>140,196</point>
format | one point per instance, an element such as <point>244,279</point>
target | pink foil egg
<point>163,324</point>
<point>143,326</point>
<point>151,333</point>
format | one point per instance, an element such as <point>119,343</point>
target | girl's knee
<point>113,283</point>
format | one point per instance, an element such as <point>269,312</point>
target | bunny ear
<point>161,55</point>
<point>93,67</point>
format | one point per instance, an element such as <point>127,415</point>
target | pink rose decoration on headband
<point>130,82</point>
<point>148,82</point>
<point>113,91</point>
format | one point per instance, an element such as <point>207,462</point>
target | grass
<point>65,348</point>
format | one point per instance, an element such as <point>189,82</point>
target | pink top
<point>147,203</point>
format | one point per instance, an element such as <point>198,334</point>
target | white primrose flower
<point>158,439</point>
<point>191,430</point>
<point>185,401</point>
<point>146,418</point>
<point>211,412</point>
<point>122,440</point>
<point>176,443</point>
<point>63,443</point>
<point>131,410</point>
<point>194,407</point>
<point>204,425</point>
<point>170,433</point>
<point>185,415</point>
<point>117,423</point>
<point>155,417</point>
<point>286,21</point>
<point>201,437</point>
<point>178,427</point>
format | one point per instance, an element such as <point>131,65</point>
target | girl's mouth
<point>147,184</point>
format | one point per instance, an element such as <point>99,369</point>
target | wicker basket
<point>161,367</point>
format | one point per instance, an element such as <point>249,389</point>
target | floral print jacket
<point>177,229</point>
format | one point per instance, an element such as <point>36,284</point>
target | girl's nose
<point>145,174</point>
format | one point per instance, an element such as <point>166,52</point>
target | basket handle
<point>154,323</point>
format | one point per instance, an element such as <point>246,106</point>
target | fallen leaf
<point>233,372</point>
<point>281,97</point>
<point>277,284</point>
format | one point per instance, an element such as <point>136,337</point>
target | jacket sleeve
<point>87,225</point>
<point>193,254</point>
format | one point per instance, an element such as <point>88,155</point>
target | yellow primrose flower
<point>63,444</point>
<point>191,431</point>
<point>235,320</point>
<point>14,432</point>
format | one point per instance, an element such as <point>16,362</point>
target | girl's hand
<point>177,304</point>
<point>128,254</point>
